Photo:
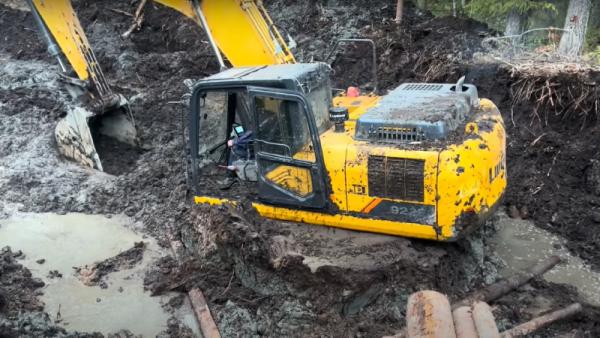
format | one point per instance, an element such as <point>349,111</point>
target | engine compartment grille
<point>423,86</point>
<point>396,134</point>
<point>396,178</point>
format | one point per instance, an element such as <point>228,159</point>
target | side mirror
<point>338,115</point>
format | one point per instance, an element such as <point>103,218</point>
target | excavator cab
<point>259,127</point>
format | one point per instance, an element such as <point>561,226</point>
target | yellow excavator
<point>427,160</point>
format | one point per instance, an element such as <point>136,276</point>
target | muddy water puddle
<point>76,240</point>
<point>521,244</point>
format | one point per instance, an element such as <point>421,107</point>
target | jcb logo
<point>498,168</point>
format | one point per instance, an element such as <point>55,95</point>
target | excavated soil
<point>95,274</point>
<point>264,277</point>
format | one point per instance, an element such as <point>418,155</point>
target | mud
<point>74,304</point>
<point>20,309</point>
<point>271,278</point>
<point>299,280</point>
<point>95,274</point>
<point>17,296</point>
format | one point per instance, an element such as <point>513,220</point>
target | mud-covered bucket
<point>75,133</point>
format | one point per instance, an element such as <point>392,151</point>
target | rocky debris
<point>96,273</point>
<point>422,48</point>
<point>596,217</point>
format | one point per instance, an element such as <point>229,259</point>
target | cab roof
<point>292,75</point>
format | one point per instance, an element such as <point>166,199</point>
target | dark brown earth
<point>252,288</point>
<point>96,273</point>
<point>20,310</point>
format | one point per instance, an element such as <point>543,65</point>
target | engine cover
<point>416,112</point>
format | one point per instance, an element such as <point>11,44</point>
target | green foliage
<point>594,55</point>
<point>495,12</point>
<point>592,41</point>
<point>493,9</point>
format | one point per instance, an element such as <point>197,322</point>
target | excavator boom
<point>240,30</point>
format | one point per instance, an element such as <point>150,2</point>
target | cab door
<point>288,152</point>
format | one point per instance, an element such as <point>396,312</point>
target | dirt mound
<point>21,28</point>
<point>422,48</point>
<point>551,156</point>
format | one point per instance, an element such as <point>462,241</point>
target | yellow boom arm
<point>241,29</point>
<point>60,19</point>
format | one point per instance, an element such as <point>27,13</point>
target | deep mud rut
<point>266,278</point>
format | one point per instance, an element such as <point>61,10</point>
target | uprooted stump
<point>558,92</point>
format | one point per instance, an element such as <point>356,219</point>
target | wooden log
<point>484,320</point>
<point>199,305</point>
<point>207,324</point>
<point>464,325</point>
<point>499,289</point>
<point>428,315</point>
<point>137,19</point>
<point>399,11</point>
<point>542,321</point>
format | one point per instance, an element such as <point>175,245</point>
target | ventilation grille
<point>396,178</point>
<point>423,87</point>
<point>394,134</point>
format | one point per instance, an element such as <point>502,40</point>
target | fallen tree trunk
<point>428,315</point>
<point>497,290</point>
<point>207,324</point>
<point>484,321</point>
<point>539,322</point>
<point>463,322</point>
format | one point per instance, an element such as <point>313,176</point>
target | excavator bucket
<point>109,114</point>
